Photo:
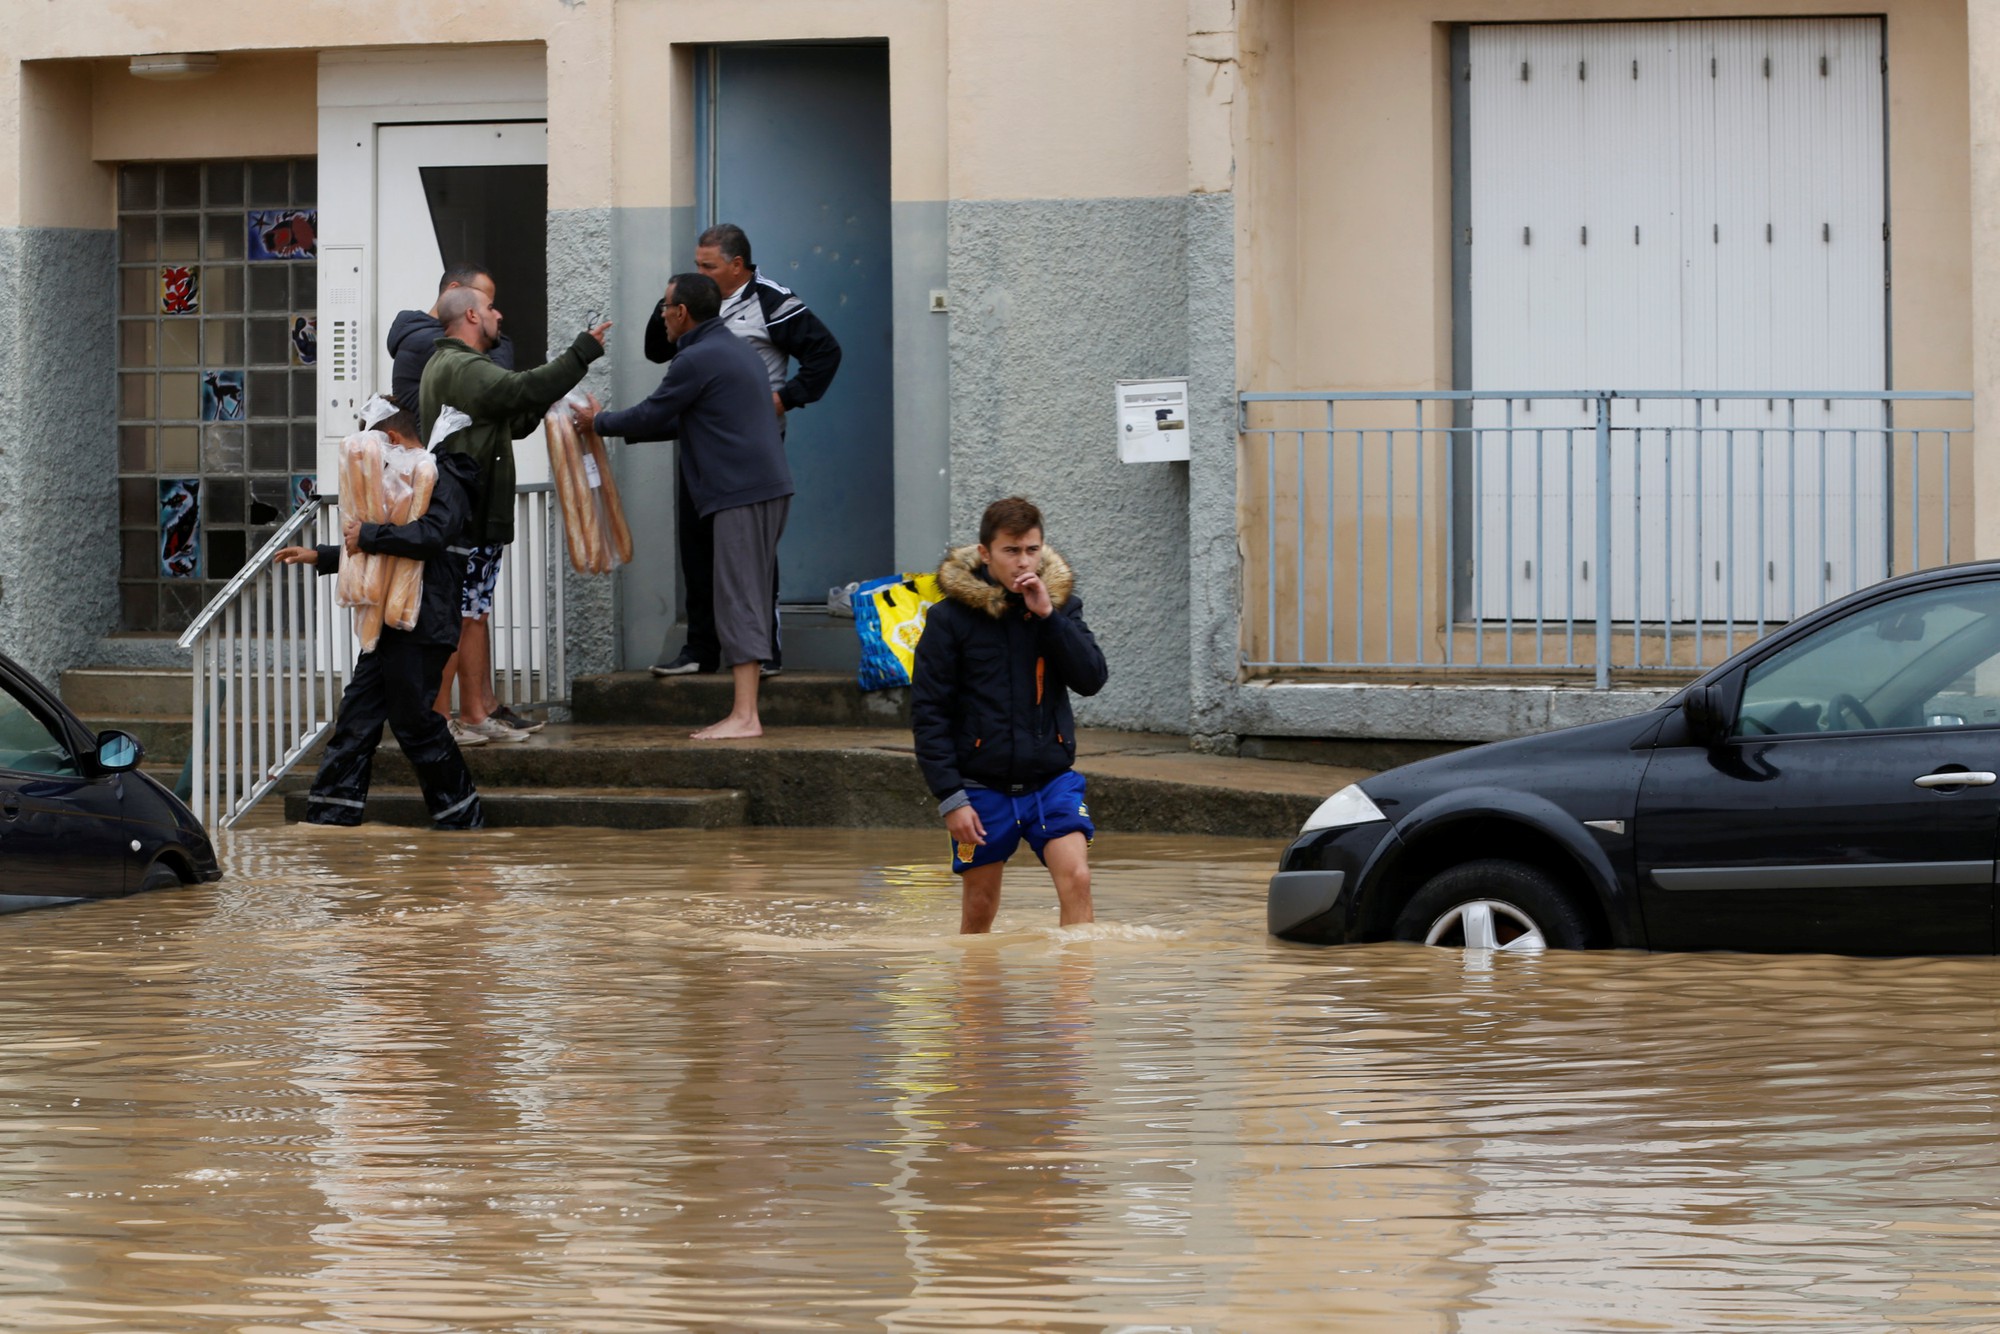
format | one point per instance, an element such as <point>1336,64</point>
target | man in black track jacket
<point>780,330</point>
<point>397,681</point>
<point>990,711</point>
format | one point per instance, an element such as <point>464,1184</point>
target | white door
<point>472,191</point>
<point>1679,205</point>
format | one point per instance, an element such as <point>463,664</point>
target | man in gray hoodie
<point>716,399</point>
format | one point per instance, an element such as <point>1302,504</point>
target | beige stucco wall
<point>1364,132</point>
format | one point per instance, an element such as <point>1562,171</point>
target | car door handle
<point>1959,778</point>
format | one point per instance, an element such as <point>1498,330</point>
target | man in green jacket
<point>504,406</point>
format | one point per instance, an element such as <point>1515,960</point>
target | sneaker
<point>684,664</point>
<point>517,722</point>
<point>492,729</point>
<point>465,736</point>
<point>770,668</point>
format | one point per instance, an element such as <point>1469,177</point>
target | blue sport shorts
<point>1055,808</point>
<point>482,572</point>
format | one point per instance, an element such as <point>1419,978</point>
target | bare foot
<point>731,728</point>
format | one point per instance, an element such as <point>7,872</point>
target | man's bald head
<point>467,314</point>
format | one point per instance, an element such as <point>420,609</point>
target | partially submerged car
<point>1833,787</point>
<point>78,820</point>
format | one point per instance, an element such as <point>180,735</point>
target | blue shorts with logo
<point>1040,814</point>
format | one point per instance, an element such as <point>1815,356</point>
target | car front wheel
<point>160,876</point>
<point>1493,905</point>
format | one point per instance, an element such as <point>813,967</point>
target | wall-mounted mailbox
<point>1153,421</point>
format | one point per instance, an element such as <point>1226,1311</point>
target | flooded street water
<point>559,1080</point>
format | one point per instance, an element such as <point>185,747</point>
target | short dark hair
<point>403,421</point>
<point>698,292</point>
<point>1015,514</point>
<point>462,273</point>
<point>456,303</point>
<point>728,238</point>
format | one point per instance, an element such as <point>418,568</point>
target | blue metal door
<point>794,145</point>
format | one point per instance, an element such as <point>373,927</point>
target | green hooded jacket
<point>504,406</point>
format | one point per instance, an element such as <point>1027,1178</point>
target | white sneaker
<point>465,736</point>
<point>492,729</point>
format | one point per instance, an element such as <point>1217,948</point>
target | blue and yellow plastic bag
<point>889,616</point>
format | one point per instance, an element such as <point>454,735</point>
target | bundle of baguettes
<point>381,483</point>
<point>593,517</point>
<point>406,575</point>
<point>361,497</point>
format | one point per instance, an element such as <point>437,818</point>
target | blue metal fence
<point>1580,530</point>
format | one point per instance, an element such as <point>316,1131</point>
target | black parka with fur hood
<point>990,696</point>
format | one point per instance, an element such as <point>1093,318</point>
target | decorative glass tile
<point>269,446</point>
<point>222,449</point>
<point>225,500</point>
<point>136,342</point>
<point>225,289</point>
<point>282,233</point>
<point>270,184</point>
<point>180,343</point>
<point>225,552</point>
<point>180,185</point>
<point>139,238</point>
<point>135,449</point>
<point>270,288</point>
<point>222,398</point>
<point>225,183</point>
<point>305,340</point>
<point>137,553</point>
<point>138,187</point>
<point>180,397</point>
<point>180,237</point>
<point>305,487</point>
<point>270,344</point>
<point>222,236</point>
<point>139,606</point>
<point>135,396</point>
<point>180,527</point>
<point>137,501</point>
<point>138,291</point>
<point>222,342</point>
<point>180,289</point>
<point>180,449</point>
<point>268,394</point>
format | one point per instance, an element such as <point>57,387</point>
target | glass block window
<point>217,340</point>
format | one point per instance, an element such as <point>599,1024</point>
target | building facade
<point>209,216</point>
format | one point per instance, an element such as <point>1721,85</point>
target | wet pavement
<point>561,1080</point>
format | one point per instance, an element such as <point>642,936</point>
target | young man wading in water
<point>990,710</point>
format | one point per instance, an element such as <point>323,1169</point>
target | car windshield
<point>1927,659</point>
<point>27,745</point>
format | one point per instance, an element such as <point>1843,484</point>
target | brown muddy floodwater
<point>584,1081</point>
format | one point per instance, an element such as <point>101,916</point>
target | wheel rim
<point>1486,924</point>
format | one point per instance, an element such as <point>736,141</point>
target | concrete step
<point>793,699</point>
<point>125,691</point>
<point>574,807</point>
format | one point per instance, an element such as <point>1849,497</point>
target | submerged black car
<point>1834,787</point>
<point>77,818</point>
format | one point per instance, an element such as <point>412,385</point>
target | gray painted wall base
<point>1425,713</point>
<point>58,445</point>
<point>1053,302</point>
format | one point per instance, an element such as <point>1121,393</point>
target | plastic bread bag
<point>406,576</point>
<point>593,517</point>
<point>361,481</point>
<point>397,494</point>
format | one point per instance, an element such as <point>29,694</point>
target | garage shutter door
<point>1693,205</point>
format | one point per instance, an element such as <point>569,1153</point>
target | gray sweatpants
<point>746,563</point>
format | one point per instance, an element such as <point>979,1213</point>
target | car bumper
<point>1313,895</point>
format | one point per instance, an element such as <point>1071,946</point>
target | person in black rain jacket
<point>397,681</point>
<point>990,711</point>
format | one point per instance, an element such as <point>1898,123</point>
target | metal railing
<point>272,653</point>
<point>1580,530</point>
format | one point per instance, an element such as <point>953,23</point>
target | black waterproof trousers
<point>395,684</point>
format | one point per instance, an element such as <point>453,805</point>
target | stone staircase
<point>152,703</point>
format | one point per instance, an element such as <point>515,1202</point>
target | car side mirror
<point>118,751</point>
<point>1707,712</point>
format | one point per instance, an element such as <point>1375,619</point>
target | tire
<point>1514,905</point>
<point>159,876</point>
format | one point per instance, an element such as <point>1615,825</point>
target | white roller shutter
<point>1681,205</point>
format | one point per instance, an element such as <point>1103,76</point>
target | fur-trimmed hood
<point>963,578</point>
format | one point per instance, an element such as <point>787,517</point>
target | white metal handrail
<point>272,653</point>
<point>1579,530</point>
